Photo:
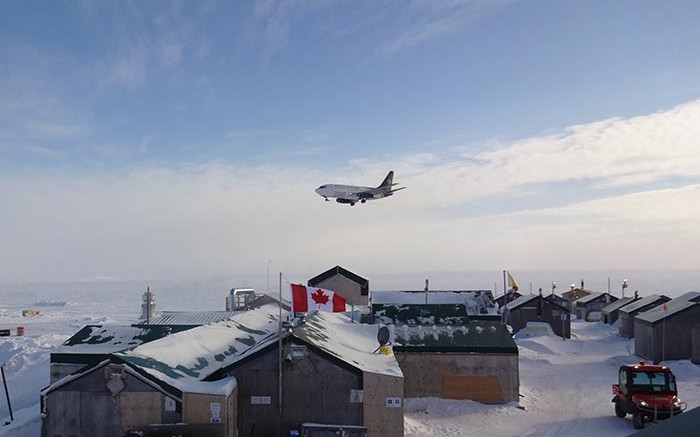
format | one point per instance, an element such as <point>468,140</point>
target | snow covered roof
<point>639,304</point>
<point>190,318</point>
<point>592,297</point>
<point>420,314</point>
<point>522,300</point>
<point>106,339</point>
<point>617,305</point>
<point>476,301</point>
<point>352,343</point>
<point>673,306</point>
<point>479,336</point>
<point>185,358</point>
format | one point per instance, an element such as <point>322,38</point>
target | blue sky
<point>485,108</point>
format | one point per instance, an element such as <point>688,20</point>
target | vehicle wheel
<point>619,411</point>
<point>637,421</point>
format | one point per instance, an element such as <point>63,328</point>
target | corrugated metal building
<point>354,288</point>
<point>663,333</point>
<point>628,312</point>
<point>537,308</point>
<point>593,302</point>
<point>445,352</point>
<point>610,312</point>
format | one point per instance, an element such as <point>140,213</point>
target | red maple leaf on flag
<point>319,297</point>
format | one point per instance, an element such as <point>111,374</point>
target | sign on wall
<point>393,402</point>
<point>356,396</point>
<point>169,404</point>
<point>215,408</point>
<point>260,400</point>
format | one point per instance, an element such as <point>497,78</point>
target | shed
<point>593,302</point>
<point>537,308</point>
<point>610,312</point>
<point>111,399</point>
<point>501,300</point>
<point>354,288</point>
<point>574,294</point>
<point>663,333</point>
<point>444,352</point>
<point>629,311</point>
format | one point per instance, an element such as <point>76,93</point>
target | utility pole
<point>267,278</point>
<point>7,393</point>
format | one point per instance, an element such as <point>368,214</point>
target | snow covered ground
<point>565,385</point>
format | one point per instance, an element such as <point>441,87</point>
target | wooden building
<point>330,376</point>
<point>574,294</point>
<point>591,304</point>
<point>538,308</point>
<point>629,311</point>
<point>610,312</point>
<point>111,399</point>
<point>354,288</point>
<point>662,333</point>
<point>445,352</point>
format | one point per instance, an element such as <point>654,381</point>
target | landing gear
<point>363,200</point>
<point>352,203</point>
<point>327,199</point>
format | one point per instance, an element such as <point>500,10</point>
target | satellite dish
<point>383,336</point>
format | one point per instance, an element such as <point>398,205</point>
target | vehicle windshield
<point>653,382</point>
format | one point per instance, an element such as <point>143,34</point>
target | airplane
<point>352,194</point>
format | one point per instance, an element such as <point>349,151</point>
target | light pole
<point>624,285</point>
<point>267,286</point>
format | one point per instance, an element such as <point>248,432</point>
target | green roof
<point>420,314</point>
<point>479,336</point>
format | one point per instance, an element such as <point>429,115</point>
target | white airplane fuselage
<point>352,194</point>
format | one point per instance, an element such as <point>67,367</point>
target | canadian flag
<point>307,299</point>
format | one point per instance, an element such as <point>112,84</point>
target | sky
<point>185,139</point>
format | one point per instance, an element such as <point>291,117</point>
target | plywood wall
<point>381,420</point>
<point>424,372</point>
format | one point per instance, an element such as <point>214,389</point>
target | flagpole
<point>505,300</point>
<point>279,359</point>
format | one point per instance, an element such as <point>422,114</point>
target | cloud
<point>219,218</point>
<point>613,153</point>
<point>388,27</point>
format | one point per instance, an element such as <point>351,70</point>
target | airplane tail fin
<point>388,180</point>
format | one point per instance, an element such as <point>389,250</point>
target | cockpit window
<point>321,187</point>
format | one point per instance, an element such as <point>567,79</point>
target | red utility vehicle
<point>647,392</point>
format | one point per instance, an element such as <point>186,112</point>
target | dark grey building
<point>663,333</point>
<point>628,312</point>
<point>592,303</point>
<point>610,312</point>
<point>501,300</point>
<point>352,287</point>
<point>537,308</point>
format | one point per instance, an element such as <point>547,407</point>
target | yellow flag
<point>511,283</point>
